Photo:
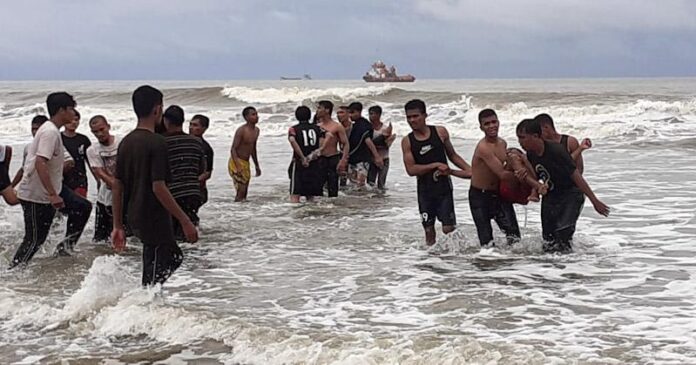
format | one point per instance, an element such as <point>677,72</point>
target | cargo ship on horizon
<point>380,73</point>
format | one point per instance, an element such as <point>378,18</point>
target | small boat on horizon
<point>380,73</point>
<point>304,77</point>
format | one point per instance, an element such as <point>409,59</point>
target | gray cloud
<point>180,39</point>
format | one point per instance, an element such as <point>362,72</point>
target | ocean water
<point>348,280</point>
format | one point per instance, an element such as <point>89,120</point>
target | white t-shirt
<point>103,156</point>
<point>48,144</point>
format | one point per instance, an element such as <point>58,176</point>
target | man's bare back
<point>487,153</point>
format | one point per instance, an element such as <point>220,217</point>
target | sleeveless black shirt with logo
<point>426,152</point>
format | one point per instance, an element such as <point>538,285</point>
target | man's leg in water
<point>242,190</point>
<point>37,223</point>
<point>480,205</point>
<point>160,261</point>
<point>445,212</point>
<point>78,210</point>
<point>568,214</point>
<point>332,175</point>
<point>382,176</point>
<point>506,218</point>
<point>428,215</point>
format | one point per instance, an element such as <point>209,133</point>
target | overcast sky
<point>264,39</point>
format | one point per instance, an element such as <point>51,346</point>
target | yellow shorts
<point>240,174</point>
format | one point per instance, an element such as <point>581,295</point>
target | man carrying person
<point>140,190</point>
<point>186,163</point>
<point>197,127</point>
<point>41,190</point>
<point>382,139</point>
<point>362,149</point>
<point>102,160</point>
<point>76,144</point>
<point>332,161</point>
<point>488,175</point>
<point>571,144</point>
<point>307,141</point>
<point>425,152</point>
<point>243,147</point>
<point>562,204</point>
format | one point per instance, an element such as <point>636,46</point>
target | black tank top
<point>564,141</point>
<point>426,152</point>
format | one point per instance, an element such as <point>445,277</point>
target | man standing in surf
<point>563,203</point>
<point>243,147</point>
<point>140,190</point>
<point>426,151</point>
<point>332,161</point>
<point>362,150</point>
<point>571,144</point>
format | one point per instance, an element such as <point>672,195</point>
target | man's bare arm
<point>343,141</point>
<point>18,177</point>
<point>296,147</point>
<point>456,159</point>
<point>44,176</point>
<point>487,155</point>
<point>159,188</point>
<point>582,184</point>
<point>254,155</point>
<point>104,176</point>
<point>576,155</point>
<point>235,144</point>
<point>413,169</point>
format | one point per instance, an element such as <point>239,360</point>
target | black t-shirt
<point>142,159</point>
<point>554,167</point>
<point>4,175</point>
<point>209,155</point>
<point>307,136</point>
<point>77,148</point>
<point>361,131</point>
<point>186,162</point>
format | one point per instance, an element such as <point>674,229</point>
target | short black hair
<point>529,126</point>
<point>57,101</point>
<point>175,115</point>
<point>247,110</point>
<point>39,120</point>
<point>545,119</point>
<point>343,107</point>
<point>145,99</point>
<point>303,114</point>
<point>355,106</point>
<point>97,118</point>
<point>78,115</point>
<point>375,109</point>
<point>485,113</point>
<point>415,104</point>
<point>326,105</point>
<point>205,121</point>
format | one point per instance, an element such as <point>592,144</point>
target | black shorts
<point>306,181</point>
<point>103,223</point>
<point>559,214</point>
<point>439,206</point>
<point>4,176</point>
<point>330,165</point>
<point>160,261</point>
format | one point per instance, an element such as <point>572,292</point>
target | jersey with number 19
<point>306,181</point>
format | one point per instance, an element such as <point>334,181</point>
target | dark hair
<point>415,104</point>
<point>175,115</point>
<point>205,121</point>
<point>343,107</point>
<point>375,109</point>
<point>77,114</point>
<point>247,111</point>
<point>57,101</point>
<point>355,106</point>
<point>303,114</point>
<point>39,120</point>
<point>97,118</point>
<point>485,113</point>
<point>545,119</point>
<point>326,105</point>
<point>529,126</point>
<point>145,99</point>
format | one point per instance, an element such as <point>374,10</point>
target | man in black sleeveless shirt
<point>425,153</point>
<point>563,203</point>
<point>571,144</point>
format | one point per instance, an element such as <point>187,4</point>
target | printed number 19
<point>310,138</point>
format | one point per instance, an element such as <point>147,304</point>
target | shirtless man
<point>332,161</point>
<point>488,171</point>
<point>343,116</point>
<point>243,147</point>
<point>571,144</point>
